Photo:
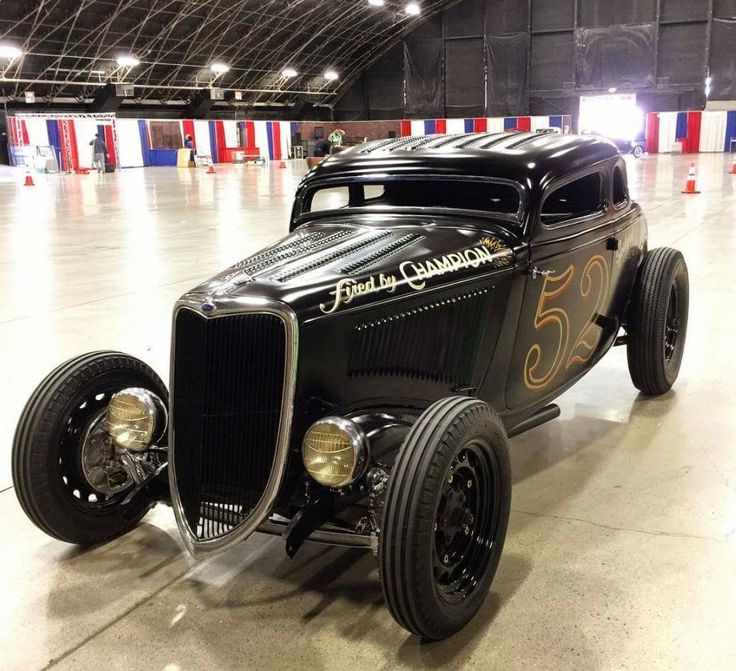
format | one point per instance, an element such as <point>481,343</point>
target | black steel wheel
<point>445,517</point>
<point>65,479</point>
<point>657,321</point>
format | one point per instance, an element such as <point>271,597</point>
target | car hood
<point>332,266</point>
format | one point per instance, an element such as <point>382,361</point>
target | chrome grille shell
<point>221,307</point>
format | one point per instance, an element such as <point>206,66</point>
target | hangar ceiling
<point>70,47</point>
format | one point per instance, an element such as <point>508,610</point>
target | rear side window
<point>481,196</point>
<point>579,198</point>
<point>620,192</point>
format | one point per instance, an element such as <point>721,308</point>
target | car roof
<point>528,158</point>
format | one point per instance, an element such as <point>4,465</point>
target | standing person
<point>99,150</point>
<point>322,147</point>
<point>335,138</point>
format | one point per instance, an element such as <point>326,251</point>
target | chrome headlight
<point>335,451</point>
<point>135,417</point>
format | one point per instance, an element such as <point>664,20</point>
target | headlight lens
<point>334,451</point>
<point>133,418</point>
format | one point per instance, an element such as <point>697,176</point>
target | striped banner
<point>694,131</point>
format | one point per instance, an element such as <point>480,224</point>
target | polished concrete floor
<point>621,552</point>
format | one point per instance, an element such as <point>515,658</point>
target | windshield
<point>482,196</point>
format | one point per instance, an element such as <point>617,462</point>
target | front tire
<point>657,321</point>
<point>48,472</point>
<point>445,517</point>
<point>638,151</point>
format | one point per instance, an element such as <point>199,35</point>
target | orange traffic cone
<point>29,179</point>
<point>211,169</point>
<point>733,166</point>
<point>282,165</point>
<point>691,185</point>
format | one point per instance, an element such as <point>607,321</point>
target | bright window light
<point>412,9</point>
<point>288,73</point>
<point>331,75</point>
<point>612,89</point>
<point>10,52</point>
<point>128,61</point>
<point>377,3</point>
<point>613,116</point>
<point>219,68</point>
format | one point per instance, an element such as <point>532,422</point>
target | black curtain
<point>508,81</point>
<point>423,73</point>
<point>615,56</point>
<point>464,73</point>
<point>385,80</point>
<point>723,60</point>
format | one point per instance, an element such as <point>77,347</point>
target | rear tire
<point>657,321</point>
<point>47,471</point>
<point>638,151</point>
<point>445,517</point>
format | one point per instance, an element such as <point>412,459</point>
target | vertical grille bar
<point>227,395</point>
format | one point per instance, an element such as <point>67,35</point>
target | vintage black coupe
<point>356,382</point>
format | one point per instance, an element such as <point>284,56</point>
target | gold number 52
<point>554,285</point>
<point>584,345</point>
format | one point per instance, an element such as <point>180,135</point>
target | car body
<point>433,282</point>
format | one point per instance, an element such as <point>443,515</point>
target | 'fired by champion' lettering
<point>415,274</point>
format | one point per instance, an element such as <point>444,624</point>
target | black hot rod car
<point>356,382</point>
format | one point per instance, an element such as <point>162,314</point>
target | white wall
<point>129,143</point>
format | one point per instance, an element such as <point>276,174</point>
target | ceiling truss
<point>71,46</point>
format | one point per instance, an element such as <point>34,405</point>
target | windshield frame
<point>306,193</point>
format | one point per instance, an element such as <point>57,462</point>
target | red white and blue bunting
<point>417,127</point>
<point>691,132</point>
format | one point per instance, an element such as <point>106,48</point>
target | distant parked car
<point>635,147</point>
<point>356,383</point>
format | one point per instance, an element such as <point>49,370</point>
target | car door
<point>564,322</point>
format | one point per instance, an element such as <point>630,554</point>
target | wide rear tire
<point>445,517</point>
<point>47,472</point>
<point>657,321</point>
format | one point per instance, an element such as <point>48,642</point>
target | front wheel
<point>67,476</point>
<point>445,517</point>
<point>638,151</point>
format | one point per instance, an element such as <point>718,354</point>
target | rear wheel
<point>445,517</point>
<point>66,475</point>
<point>638,151</point>
<point>657,321</point>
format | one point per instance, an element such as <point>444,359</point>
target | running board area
<point>540,417</point>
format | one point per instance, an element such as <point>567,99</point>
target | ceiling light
<point>377,3</point>
<point>128,61</point>
<point>10,52</point>
<point>219,68</point>
<point>331,75</point>
<point>289,72</point>
<point>412,9</point>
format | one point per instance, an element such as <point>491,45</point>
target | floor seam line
<point>56,660</point>
<point>668,534</point>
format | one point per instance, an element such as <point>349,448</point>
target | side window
<point>330,199</point>
<point>620,192</point>
<point>579,198</point>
